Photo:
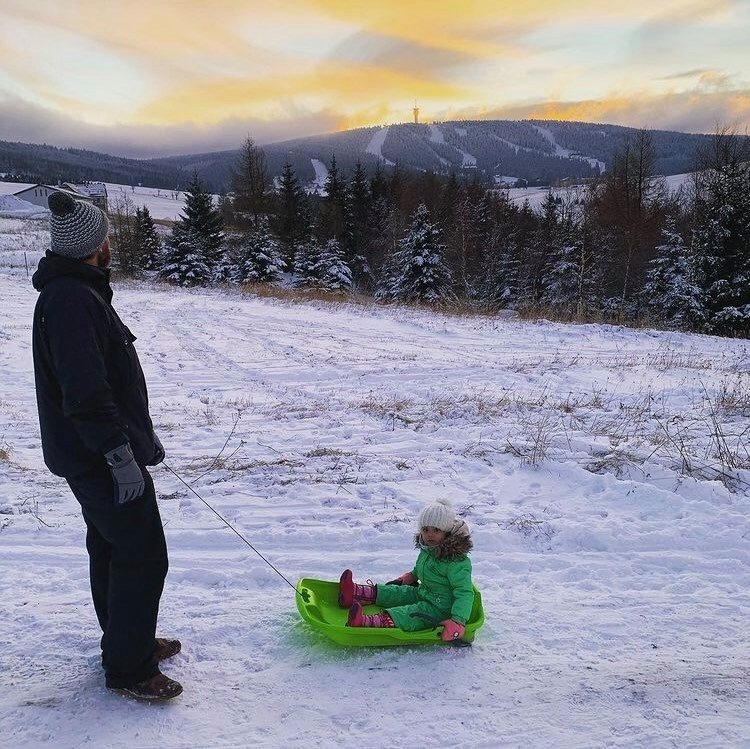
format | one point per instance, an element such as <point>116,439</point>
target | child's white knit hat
<point>438,515</point>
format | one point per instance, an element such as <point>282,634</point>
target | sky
<point>159,77</point>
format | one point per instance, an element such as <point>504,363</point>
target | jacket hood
<point>455,545</point>
<point>53,266</point>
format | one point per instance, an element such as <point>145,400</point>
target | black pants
<point>127,566</point>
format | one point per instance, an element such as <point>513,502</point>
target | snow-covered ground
<point>604,472</point>
<point>161,203</point>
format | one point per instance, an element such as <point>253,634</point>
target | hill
<point>533,151</point>
<point>536,151</point>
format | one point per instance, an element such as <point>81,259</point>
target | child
<point>437,590</point>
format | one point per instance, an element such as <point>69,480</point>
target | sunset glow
<point>195,75</point>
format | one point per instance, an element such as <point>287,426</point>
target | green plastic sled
<point>317,602</point>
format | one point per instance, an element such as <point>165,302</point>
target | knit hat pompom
<point>77,228</point>
<point>60,203</point>
<point>439,514</point>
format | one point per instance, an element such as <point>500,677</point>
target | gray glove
<point>127,476</point>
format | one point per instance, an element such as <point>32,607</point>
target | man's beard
<point>103,258</point>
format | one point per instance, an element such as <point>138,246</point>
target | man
<point>98,435</point>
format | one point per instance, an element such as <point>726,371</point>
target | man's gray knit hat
<point>77,229</point>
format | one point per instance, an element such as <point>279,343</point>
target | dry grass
<point>530,526</point>
<point>6,451</point>
<point>326,452</point>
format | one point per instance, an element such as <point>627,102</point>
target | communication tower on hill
<point>416,113</point>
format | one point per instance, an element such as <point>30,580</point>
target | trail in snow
<point>436,134</point>
<point>565,152</point>
<point>375,146</point>
<point>321,175</point>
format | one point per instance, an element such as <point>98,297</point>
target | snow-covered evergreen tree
<point>721,247</point>
<point>333,270</point>
<point>185,260</point>
<point>355,208</point>
<point>202,219</point>
<point>307,262</point>
<point>562,275</point>
<point>259,257</point>
<point>151,244</point>
<point>417,271</point>
<point>669,292</point>
<point>499,289</point>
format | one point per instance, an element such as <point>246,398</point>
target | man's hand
<point>127,476</point>
<point>159,454</point>
<point>451,631</point>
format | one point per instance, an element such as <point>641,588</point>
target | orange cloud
<point>353,86</point>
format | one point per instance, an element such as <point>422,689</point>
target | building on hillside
<point>96,191</point>
<point>38,194</point>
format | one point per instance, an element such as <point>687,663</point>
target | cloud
<point>349,86</point>
<point>384,50</point>
<point>28,123</point>
<point>694,111</point>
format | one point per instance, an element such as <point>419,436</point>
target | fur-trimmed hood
<point>456,544</point>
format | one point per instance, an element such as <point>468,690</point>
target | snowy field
<point>604,472</point>
<point>161,203</point>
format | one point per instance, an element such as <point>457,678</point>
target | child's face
<point>432,536</point>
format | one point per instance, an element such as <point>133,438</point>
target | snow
<point>566,153</point>
<point>162,204</point>
<point>321,175</point>
<point>375,146</point>
<point>11,206</point>
<point>436,134</point>
<point>616,581</point>
<point>9,188</point>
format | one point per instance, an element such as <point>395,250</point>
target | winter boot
<point>357,618</point>
<point>349,591</point>
<point>165,648</point>
<point>156,689</point>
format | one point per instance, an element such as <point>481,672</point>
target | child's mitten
<point>451,630</point>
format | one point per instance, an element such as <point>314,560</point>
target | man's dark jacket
<point>90,388</point>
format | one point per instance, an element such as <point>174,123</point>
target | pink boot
<point>357,618</point>
<point>349,591</point>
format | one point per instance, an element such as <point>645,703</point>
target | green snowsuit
<point>445,589</point>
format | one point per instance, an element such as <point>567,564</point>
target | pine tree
<point>332,269</point>
<point>202,219</point>
<point>251,183</point>
<point>355,203</point>
<point>500,286</point>
<point>259,258</point>
<point>289,221</point>
<point>562,278</point>
<point>669,293</point>
<point>185,261</point>
<point>330,221</point>
<point>721,238</point>
<point>307,262</point>
<point>151,244</point>
<point>418,272</point>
